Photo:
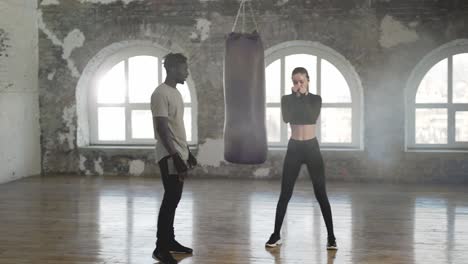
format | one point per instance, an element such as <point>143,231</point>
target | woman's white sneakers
<point>331,245</point>
<point>274,241</point>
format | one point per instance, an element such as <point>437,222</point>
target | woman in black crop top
<point>301,109</point>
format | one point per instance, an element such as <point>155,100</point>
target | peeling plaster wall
<point>393,33</point>
<point>19,109</point>
<point>382,39</point>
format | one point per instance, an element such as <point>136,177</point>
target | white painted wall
<point>19,108</point>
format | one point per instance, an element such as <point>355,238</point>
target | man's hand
<point>179,164</point>
<point>192,161</point>
<point>181,176</point>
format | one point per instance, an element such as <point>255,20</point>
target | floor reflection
<point>113,220</point>
<point>460,245</point>
<point>430,230</point>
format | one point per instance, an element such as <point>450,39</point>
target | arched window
<point>331,76</point>
<point>119,97</point>
<point>437,100</point>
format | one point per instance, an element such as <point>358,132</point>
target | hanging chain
<point>242,9</point>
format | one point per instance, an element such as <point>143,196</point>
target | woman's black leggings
<point>298,153</point>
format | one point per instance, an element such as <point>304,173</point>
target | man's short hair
<point>174,59</point>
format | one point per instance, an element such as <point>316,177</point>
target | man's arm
<point>162,128</point>
<point>192,161</point>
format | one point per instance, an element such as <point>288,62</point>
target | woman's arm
<point>317,105</point>
<point>285,109</point>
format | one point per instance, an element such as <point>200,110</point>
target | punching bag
<point>245,140</point>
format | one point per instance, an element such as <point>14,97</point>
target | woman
<point>301,109</point>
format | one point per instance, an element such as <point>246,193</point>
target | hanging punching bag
<point>244,97</point>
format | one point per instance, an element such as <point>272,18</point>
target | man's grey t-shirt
<point>167,102</point>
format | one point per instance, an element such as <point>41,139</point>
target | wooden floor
<point>113,220</point>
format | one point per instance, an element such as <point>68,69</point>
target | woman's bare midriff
<point>302,132</point>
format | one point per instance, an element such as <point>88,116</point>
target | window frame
<point>344,66</point>
<point>446,51</point>
<point>112,60</point>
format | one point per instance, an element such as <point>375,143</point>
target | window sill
<point>437,150</point>
<point>125,147</point>
<point>116,147</point>
<point>282,149</point>
<point>194,147</point>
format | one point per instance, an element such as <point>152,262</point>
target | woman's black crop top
<point>303,110</point>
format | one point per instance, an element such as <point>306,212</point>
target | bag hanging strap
<point>242,8</point>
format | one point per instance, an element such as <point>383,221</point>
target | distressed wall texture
<point>19,108</point>
<point>383,40</point>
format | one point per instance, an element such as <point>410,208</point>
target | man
<point>172,153</point>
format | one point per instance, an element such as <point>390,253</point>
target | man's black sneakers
<point>176,247</point>
<point>164,256</point>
